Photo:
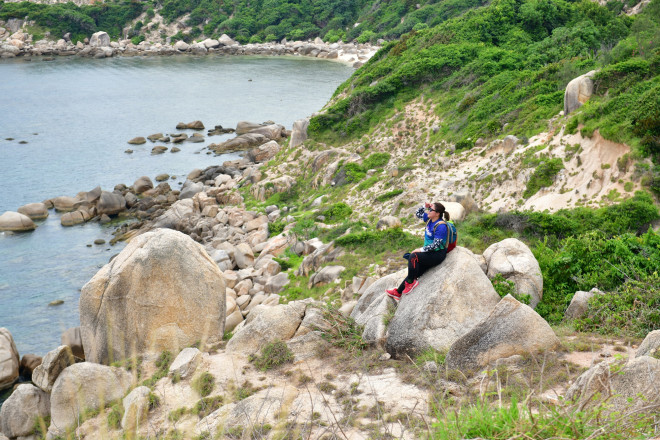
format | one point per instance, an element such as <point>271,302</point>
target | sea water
<point>64,127</point>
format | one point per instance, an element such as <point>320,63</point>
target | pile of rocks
<point>19,43</point>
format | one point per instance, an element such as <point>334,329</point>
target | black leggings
<point>420,262</point>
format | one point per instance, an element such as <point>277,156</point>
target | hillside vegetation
<point>502,69</point>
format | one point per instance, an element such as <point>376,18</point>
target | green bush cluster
<point>337,212</point>
<point>543,176</point>
<point>379,241</point>
<point>389,195</point>
<point>204,384</point>
<point>273,355</point>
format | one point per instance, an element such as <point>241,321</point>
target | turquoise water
<point>76,116</point>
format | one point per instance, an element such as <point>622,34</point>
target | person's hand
<point>427,205</point>
<point>416,250</point>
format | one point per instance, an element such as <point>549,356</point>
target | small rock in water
<point>89,245</point>
<point>162,177</point>
<point>9,139</point>
<point>175,150</point>
<point>35,134</point>
<point>99,241</point>
<point>105,219</point>
<point>57,302</point>
<point>129,151</point>
<point>159,149</point>
<point>23,142</point>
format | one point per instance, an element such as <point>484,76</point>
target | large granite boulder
<point>580,304</point>
<point>21,409</point>
<point>578,91</point>
<point>64,203</point>
<point>620,385</point>
<point>373,307</point>
<point>299,132</point>
<point>266,324</point>
<point>451,299</point>
<point>36,211</point>
<point>110,203</point>
<point>9,359</point>
<point>99,39</point>
<point>17,222</point>
<point>515,262</point>
<point>511,328</point>
<point>55,361</point>
<point>176,214</point>
<point>650,346</point>
<point>162,292</point>
<point>186,362</point>
<point>84,386</point>
<point>142,184</point>
<point>264,152</point>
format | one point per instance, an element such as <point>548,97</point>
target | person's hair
<point>440,209</point>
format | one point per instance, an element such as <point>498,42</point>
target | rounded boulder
<point>162,292</point>
<point>14,221</point>
<point>36,211</point>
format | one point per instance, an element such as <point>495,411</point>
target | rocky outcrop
<point>142,184</point>
<point>55,361</point>
<point>299,132</point>
<point>136,408</point>
<point>16,222</point>
<point>9,359</point>
<point>186,362</point>
<point>36,211</point>
<point>619,385</point>
<point>511,329</point>
<point>650,346</point>
<point>82,387</point>
<point>578,91</point>
<point>166,294</point>
<point>264,152</point>
<point>99,39</point>
<point>451,299</point>
<point>110,203</point>
<point>515,262</point>
<point>20,411</point>
<point>267,324</point>
<point>580,304</point>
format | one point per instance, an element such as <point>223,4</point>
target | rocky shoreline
<point>21,44</point>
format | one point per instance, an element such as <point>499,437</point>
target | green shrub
<point>207,405</point>
<point>543,176</point>
<point>389,195</point>
<point>379,241</point>
<point>276,227</point>
<point>376,160</point>
<point>204,384</point>
<point>273,355</point>
<point>337,212</point>
<point>115,415</point>
<point>633,309</point>
<point>366,37</point>
<point>343,332</point>
<point>504,287</point>
<point>366,184</point>
<point>154,401</point>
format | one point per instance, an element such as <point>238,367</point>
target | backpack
<point>452,234</point>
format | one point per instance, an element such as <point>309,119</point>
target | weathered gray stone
<point>136,409</point>
<point>110,203</point>
<point>511,328</point>
<point>619,386</point>
<point>99,39</point>
<point>515,262</point>
<point>578,91</point>
<point>264,152</point>
<point>36,211</point>
<point>166,294</point>
<point>20,411</point>
<point>451,299</point>
<point>326,275</point>
<point>84,386</point>
<point>52,365</point>
<point>580,304</point>
<point>650,346</point>
<point>276,284</point>
<point>388,221</point>
<point>17,222</point>
<point>266,324</point>
<point>299,132</point>
<point>9,359</point>
<point>186,362</point>
<point>142,184</point>
<point>64,203</point>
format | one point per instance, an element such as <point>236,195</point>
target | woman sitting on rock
<point>431,254</point>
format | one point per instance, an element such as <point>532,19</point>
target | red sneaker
<point>393,293</point>
<point>410,286</point>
